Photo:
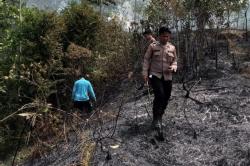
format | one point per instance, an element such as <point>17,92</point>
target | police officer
<point>148,39</point>
<point>148,36</point>
<point>160,61</point>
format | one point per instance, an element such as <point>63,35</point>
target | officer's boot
<point>160,129</point>
<point>160,121</point>
<point>155,122</point>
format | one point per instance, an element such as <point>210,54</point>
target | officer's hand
<point>173,68</point>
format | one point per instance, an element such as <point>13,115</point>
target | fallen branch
<point>26,106</point>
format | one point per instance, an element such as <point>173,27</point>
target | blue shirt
<point>83,90</point>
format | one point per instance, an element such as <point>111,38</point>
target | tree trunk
<point>237,26</point>
<point>228,18</point>
<point>200,41</point>
<point>177,36</point>
<point>101,7</point>
<point>246,23</point>
<point>216,48</point>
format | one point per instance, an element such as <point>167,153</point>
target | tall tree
<point>182,14</point>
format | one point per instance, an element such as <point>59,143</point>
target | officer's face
<point>147,36</point>
<point>164,38</point>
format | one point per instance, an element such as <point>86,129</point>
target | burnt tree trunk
<point>246,23</point>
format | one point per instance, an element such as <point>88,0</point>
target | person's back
<point>82,93</point>
<point>83,89</point>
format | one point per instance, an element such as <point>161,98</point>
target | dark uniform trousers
<point>162,92</point>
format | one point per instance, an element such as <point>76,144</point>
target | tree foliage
<point>201,10</point>
<point>196,15</point>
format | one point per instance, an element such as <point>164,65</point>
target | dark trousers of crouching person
<point>162,92</point>
<point>81,94</point>
<point>83,106</point>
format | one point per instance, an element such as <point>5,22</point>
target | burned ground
<point>212,128</point>
<point>218,135</point>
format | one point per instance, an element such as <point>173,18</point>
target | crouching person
<point>82,94</point>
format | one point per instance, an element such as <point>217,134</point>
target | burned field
<point>209,126</point>
<point>213,132</point>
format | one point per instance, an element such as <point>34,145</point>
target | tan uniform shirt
<point>147,43</point>
<point>157,60</point>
